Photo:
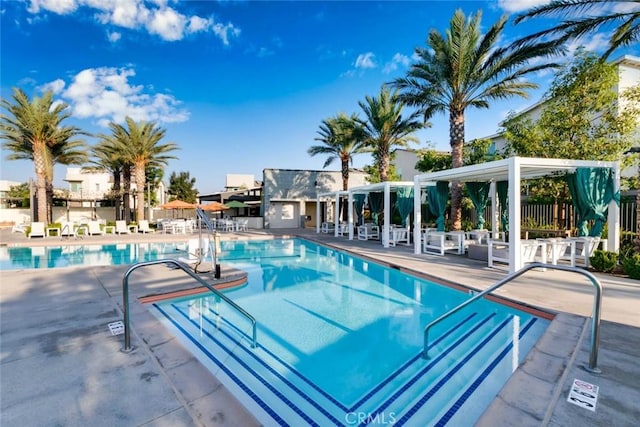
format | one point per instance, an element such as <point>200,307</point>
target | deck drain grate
<point>116,328</point>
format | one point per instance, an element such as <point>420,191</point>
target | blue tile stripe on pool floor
<point>412,411</point>
<point>271,388</point>
<point>469,391</point>
<point>227,371</point>
<point>369,394</point>
<point>431,364</point>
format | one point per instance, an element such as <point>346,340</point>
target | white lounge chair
<point>37,230</point>
<point>326,227</point>
<point>94,228</point>
<point>441,242</point>
<point>368,231</point>
<point>121,227</point>
<point>19,228</point>
<point>67,229</point>
<point>143,227</point>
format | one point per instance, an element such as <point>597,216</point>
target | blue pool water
<point>340,340</point>
<point>17,258</point>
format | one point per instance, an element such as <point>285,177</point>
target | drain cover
<point>116,328</point>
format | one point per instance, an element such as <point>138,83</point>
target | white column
<point>317,214</point>
<point>336,214</point>
<point>387,215</point>
<point>350,203</point>
<point>613,220</point>
<point>417,216</point>
<point>515,258</point>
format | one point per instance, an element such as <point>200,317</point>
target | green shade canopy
<point>236,204</point>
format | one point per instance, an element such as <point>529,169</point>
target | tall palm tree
<point>385,128</point>
<point>342,138</point>
<point>143,147</point>
<point>581,17</point>
<point>108,155</point>
<point>33,130</point>
<point>464,68</point>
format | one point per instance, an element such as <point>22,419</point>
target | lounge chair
<point>143,227</point>
<point>442,242</point>
<point>67,229</point>
<point>19,228</point>
<point>368,231</point>
<point>326,227</point>
<point>584,248</point>
<point>37,230</point>
<point>121,227</point>
<point>498,251</point>
<point>94,228</point>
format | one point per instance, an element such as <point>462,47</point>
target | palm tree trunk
<point>140,178</point>
<point>126,191</point>
<point>456,132</point>
<point>117,188</point>
<point>41,186</point>
<point>383,156</point>
<point>345,187</point>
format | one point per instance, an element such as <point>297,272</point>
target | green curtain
<point>502,188</point>
<point>376,205</point>
<point>591,192</point>
<point>404,203</point>
<point>358,204</point>
<point>479,194</point>
<point>438,202</point>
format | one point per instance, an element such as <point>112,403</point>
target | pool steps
<point>425,391</point>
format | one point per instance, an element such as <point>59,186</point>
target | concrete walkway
<point>60,365</point>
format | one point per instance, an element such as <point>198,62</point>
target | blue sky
<point>240,86</point>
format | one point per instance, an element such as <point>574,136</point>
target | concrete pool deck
<point>60,365</point>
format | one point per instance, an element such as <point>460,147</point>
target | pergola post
<point>515,257</point>
<point>350,208</point>
<point>318,213</point>
<point>417,216</point>
<point>387,215</point>
<point>336,214</point>
<point>613,220</point>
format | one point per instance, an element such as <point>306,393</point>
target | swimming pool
<point>340,340</point>
<point>17,258</point>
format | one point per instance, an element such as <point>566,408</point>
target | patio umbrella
<point>213,207</point>
<point>236,204</point>
<point>178,204</point>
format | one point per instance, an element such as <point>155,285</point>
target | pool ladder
<point>595,324</point>
<point>125,299</point>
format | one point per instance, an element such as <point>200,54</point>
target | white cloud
<point>114,36</point>
<point>106,95</point>
<point>366,60</point>
<point>55,86</point>
<point>397,60</point>
<point>592,42</point>
<point>515,6</point>
<point>154,16</point>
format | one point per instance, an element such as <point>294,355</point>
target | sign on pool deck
<point>583,394</point>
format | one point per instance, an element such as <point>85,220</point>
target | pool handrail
<point>597,303</point>
<point>125,298</point>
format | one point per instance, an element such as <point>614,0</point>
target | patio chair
<point>326,227</point>
<point>94,228</point>
<point>143,227</point>
<point>584,248</point>
<point>67,229</point>
<point>121,227</point>
<point>399,235</point>
<point>498,251</point>
<point>37,230</point>
<point>19,228</point>
<point>441,242</point>
<point>368,231</point>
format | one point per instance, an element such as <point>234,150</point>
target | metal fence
<point>560,216</point>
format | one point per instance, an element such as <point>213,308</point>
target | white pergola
<point>514,170</point>
<point>385,187</point>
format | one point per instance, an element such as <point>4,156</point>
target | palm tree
<point>142,148</point>
<point>463,69</point>
<point>342,138</point>
<point>108,155</point>
<point>33,131</point>
<point>385,128</point>
<point>582,17</point>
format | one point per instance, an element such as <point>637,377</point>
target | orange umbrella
<point>178,204</point>
<point>213,207</point>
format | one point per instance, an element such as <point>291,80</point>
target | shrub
<point>632,266</point>
<point>604,261</point>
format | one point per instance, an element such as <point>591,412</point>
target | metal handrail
<point>595,328</point>
<point>186,269</point>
